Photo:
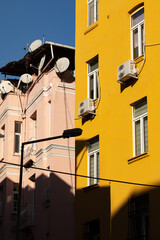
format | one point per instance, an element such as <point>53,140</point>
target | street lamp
<point>74,132</point>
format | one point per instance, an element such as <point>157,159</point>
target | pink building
<point>38,107</point>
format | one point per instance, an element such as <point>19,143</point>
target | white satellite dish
<point>6,87</point>
<point>1,89</point>
<point>42,62</point>
<point>62,64</point>
<point>34,45</point>
<point>25,78</point>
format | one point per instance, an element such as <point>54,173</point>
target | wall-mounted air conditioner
<point>86,107</point>
<point>126,71</point>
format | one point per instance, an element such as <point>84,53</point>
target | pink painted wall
<point>48,197</point>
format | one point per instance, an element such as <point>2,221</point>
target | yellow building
<point>117,95</point>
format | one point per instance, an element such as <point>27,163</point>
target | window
<point>34,128</point>
<point>50,117</point>
<point>17,141</point>
<point>140,128</point>
<point>1,202</point>
<point>93,78</point>
<point>3,140</point>
<point>33,185</point>
<point>91,230</point>
<point>137,33</point>
<point>93,161</point>
<point>139,218</point>
<point>15,198</point>
<point>92,11</point>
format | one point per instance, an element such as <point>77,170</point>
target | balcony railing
<point>30,149</point>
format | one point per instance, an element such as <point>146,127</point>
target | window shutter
<point>140,108</point>
<point>91,12</point>
<point>145,134</point>
<point>93,64</point>
<point>93,146</point>
<point>137,138</point>
<point>137,17</point>
<point>92,169</point>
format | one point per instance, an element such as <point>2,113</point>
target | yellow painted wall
<point>109,38</point>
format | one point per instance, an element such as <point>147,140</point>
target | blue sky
<point>22,22</point>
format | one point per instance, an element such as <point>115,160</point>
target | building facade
<point>38,105</point>
<point>117,92</point>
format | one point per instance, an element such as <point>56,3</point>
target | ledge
<point>91,27</point>
<point>16,154</point>
<point>138,157</point>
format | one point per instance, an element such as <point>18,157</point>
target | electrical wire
<point>84,176</point>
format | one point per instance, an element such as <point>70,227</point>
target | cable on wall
<point>84,176</point>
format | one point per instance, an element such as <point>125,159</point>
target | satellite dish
<point>25,78</point>
<point>34,45</point>
<point>42,62</point>
<point>62,64</point>
<point>2,90</point>
<point>6,87</point>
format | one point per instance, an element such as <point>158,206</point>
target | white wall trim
<point>64,91</point>
<point>64,85</point>
<point>9,173</point>
<point>7,166</point>
<point>44,89</point>
<point>53,154</point>
<point>54,146</point>
<point>10,114</point>
<point>46,158</point>
<point>7,109</point>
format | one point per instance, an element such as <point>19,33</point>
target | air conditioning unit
<point>86,107</point>
<point>126,71</point>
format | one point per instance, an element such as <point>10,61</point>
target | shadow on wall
<point>93,212</point>
<point>8,208</point>
<point>138,219</point>
<point>67,76</point>
<point>54,209</point>
<point>47,210</point>
<point>81,147</point>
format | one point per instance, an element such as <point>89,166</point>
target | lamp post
<point>74,132</point>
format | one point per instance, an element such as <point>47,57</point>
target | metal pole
<point>19,195</point>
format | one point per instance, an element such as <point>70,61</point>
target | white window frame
<point>136,119</point>
<point>95,153</point>
<point>50,117</point>
<point>15,201</point>
<point>95,74</point>
<point>33,118</point>
<point>95,14</point>
<point>3,140</point>
<point>137,26</point>
<point>17,134</point>
<point>35,132</point>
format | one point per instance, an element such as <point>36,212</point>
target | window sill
<point>16,154</point>
<point>138,157</point>
<point>91,27</point>
<point>90,187</point>
<point>139,59</point>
